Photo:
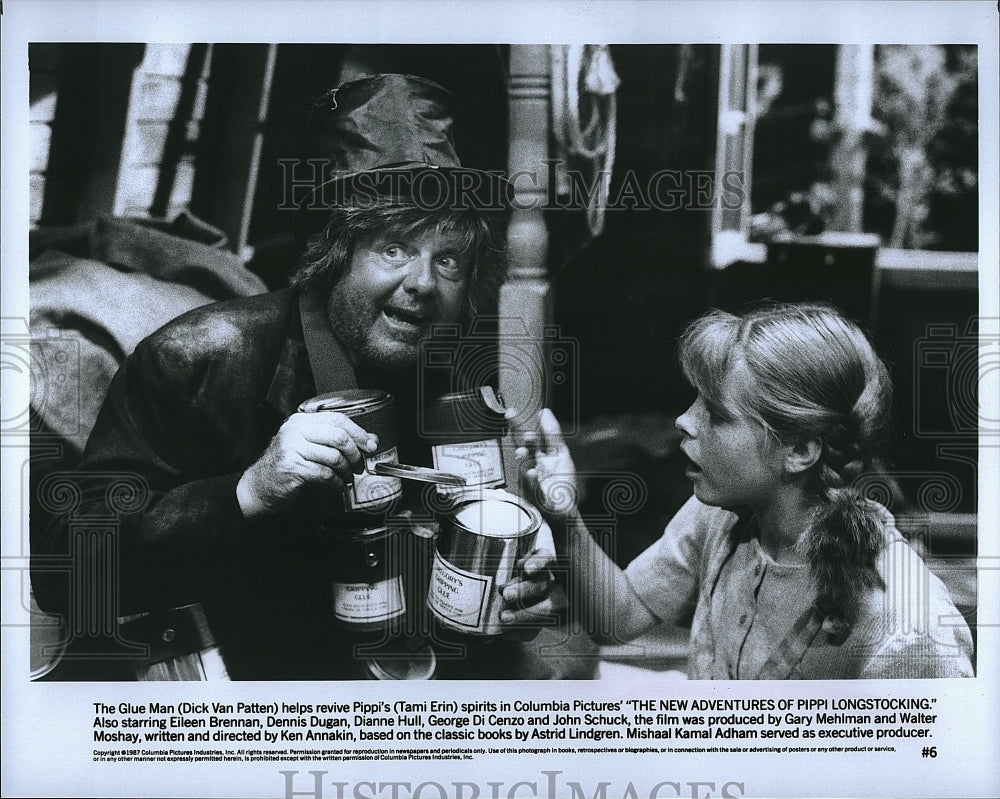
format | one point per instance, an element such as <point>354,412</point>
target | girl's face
<point>734,461</point>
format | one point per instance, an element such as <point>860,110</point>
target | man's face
<point>395,288</point>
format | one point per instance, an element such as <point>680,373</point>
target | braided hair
<point>812,374</point>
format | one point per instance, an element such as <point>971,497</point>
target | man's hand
<point>549,474</point>
<point>533,599</point>
<point>321,447</point>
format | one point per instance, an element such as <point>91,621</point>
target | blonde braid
<point>810,374</point>
<point>847,536</point>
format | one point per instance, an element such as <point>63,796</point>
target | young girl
<point>781,568</point>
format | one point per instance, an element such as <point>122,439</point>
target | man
<point>218,489</point>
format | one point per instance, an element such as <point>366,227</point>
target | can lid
<point>487,395</point>
<point>349,401</point>
<point>421,473</point>
<point>496,514</point>
<point>419,665</point>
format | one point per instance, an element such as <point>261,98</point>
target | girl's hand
<point>548,472</point>
<point>534,598</point>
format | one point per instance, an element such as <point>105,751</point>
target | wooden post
<point>853,91</point>
<point>525,305</point>
<point>239,96</point>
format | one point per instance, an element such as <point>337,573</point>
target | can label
<point>357,603</point>
<point>479,462</point>
<point>371,490</point>
<point>459,597</point>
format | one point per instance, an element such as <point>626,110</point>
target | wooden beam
<point>234,127</point>
<point>525,305</point>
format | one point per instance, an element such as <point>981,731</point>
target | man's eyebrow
<point>388,235</point>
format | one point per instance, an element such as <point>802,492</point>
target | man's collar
<point>311,360</point>
<point>332,369</point>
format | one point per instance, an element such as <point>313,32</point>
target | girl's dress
<point>753,619</point>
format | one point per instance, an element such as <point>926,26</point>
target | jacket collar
<point>311,360</point>
<point>331,368</point>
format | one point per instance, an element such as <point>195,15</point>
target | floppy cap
<point>391,136</point>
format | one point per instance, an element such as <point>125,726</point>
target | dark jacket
<point>191,408</point>
<point>150,521</point>
<point>153,511</point>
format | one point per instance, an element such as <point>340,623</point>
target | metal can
<point>375,411</point>
<point>180,645</point>
<point>366,587</point>
<point>480,541</point>
<point>413,660</point>
<point>465,429</point>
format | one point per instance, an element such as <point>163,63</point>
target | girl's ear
<point>802,455</point>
